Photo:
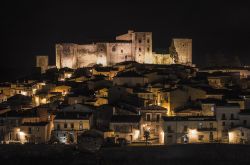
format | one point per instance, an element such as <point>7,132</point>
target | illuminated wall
<point>162,58</point>
<point>184,50</point>
<point>42,62</point>
<point>132,46</point>
<point>119,52</point>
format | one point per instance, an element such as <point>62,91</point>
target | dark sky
<point>29,28</point>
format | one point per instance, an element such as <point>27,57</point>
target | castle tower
<point>183,48</point>
<point>42,62</point>
<point>141,46</point>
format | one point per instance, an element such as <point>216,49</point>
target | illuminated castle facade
<point>133,46</point>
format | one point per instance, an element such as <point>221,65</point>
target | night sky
<point>30,28</point>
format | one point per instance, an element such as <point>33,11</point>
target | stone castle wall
<point>133,46</point>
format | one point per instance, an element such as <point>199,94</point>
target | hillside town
<point>173,103</point>
<point>128,102</point>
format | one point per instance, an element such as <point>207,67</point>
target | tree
<point>146,136</point>
<point>70,138</point>
<point>173,53</point>
<point>53,139</point>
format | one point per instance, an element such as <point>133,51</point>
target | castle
<point>133,46</point>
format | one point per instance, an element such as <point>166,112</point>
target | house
<point>3,98</point>
<point>189,129</point>
<point>130,79</point>
<point>151,120</point>
<point>105,71</point>
<point>69,125</point>
<point>227,116</point>
<point>127,127</point>
<point>240,134</point>
<point>38,132</point>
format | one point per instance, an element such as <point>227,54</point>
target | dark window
<point>72,125</point>
<point>148,49</point>
<point>232,124</point>
<point>223,123</point>
<point>113,49</point>
<point>169,129</point>
<point>58,126</point>
<point>185,128</point>
<point>65,125</point>
<point>121,51</point>
<point>148,40</point>
<point>211,136</point>
<point>200,137</point>
<point>242,134</point>
<point>139,49</point>
<point>30,130</point>
<point>244,122</point>
<point>148,117</point>
<point>158,117</point>
<point>139,40</point>
<point>223,117</point>
<point>232,116</point>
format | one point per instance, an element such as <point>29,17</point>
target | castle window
<point>121,51</point>
<point>113,49</point>
<point>139,49</point>
<point>139,40</point>
<point>148,41</point>
<point>148,49</point>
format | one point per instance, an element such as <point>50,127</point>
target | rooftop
<point>189,118</point>
<point>154,107</point>
<point>35,124</point>
<point>129,74</point>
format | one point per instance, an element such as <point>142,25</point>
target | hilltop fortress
<point>133,46</point>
